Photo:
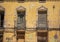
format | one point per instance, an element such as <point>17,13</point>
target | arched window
<point>21,17</point>
<point>42,17</point>
<point>2,11</point>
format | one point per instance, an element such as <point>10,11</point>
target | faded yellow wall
<point>10,36</point>
<point>31,13</point>
<point>31,16</point>
<point>51,37</point>
<point>30,36</point>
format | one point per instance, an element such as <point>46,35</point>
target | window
<point>42,17</point>
<point>1,16</point>
<point>21,35</point>
<point>42,36</point>
<point>21,17</point>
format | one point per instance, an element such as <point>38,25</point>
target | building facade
<point>29,20</point>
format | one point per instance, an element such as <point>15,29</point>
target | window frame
<point>21,8</point>
<point>44,8</point>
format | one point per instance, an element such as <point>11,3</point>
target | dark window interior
<point>42,36</point>
<point>21,35</point>
<point>42,12</point>
<point>21,13</point>
<point>1,18</point>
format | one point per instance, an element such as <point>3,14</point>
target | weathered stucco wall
<point>31,18</point>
